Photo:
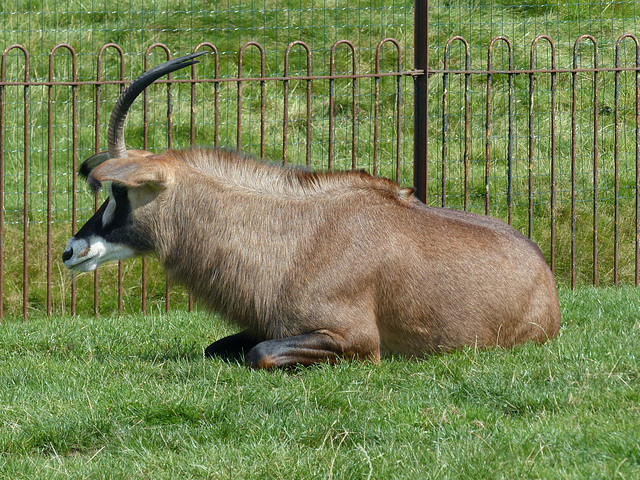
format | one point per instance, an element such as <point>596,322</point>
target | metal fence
<point>581,163</point>
<point>322,102</point>
<point>533,117</point>
<point>525,121</point>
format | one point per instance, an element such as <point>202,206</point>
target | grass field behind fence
<point>133,397</point>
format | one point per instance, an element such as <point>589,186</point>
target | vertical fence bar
<point>445,125</point>
<point>285,118</point>
<point>74,175</point>
<point>637,148</point>
<point>353,101</point>
<point>332,102</point>
<point>96,273</point>
<point>616,253</point>
<point>595,145</point>
<point>192,129</point>
<point>167,283</point>
<point>595,161</point>
<point>421,99</point>
<point>616,140</point>
<point>445,76</point>
<point>467,120</point>
<point>487,145</point>
<point>308,113</point>
<point>574,102</point>
<point>263,102</point>
<point>532,80</point>
<point>216,95</point>
<point>354,110</point>
<point>2,138</point>
<point>285,106</point>
<point>167,53</point>
<point>510,135</point>
<point>398,112</point>
<point>26,133</point>
<point>2,161</point>
<point>510,127</point>
<point>552,248</point>
<point>25,251</point>
<point>262,94</point>
<point>50,160</point>
<point>637,231</point>
<point>239,109</point>
<point>376,114</point>
<point>120,54</point>
<point>49,175</point>
<point>552,187</point>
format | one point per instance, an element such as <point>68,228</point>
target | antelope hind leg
<point>306,349</point>
<point>233,347</point>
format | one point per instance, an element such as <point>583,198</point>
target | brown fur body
<point>284,253</point>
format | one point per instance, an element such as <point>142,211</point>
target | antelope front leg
<point>306,349</point>
<point>231,347</point>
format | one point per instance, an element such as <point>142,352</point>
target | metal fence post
<point>421,98</point>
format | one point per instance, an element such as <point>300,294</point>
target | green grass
<point>133,397</point>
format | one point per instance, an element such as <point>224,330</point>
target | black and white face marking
<point>110,210</point>
<point>108,235</point>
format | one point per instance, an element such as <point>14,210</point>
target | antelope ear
<point>99,158</point>
<point>92,162</point>
<point>132,171</point>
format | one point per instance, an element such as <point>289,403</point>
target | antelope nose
<point>67,254</point>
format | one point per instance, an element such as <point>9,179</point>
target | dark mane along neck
<point>237,170</point>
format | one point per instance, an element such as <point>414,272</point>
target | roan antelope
<point>313,266</point>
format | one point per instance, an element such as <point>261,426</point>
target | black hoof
<point>233,347</point>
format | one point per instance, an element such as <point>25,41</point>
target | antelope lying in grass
<point>313,266</point>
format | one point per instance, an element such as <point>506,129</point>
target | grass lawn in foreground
<point>133,397</point>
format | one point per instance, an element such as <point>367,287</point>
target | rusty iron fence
<point>44,229</point>
<point>581,162</point>
<point>542,133</point>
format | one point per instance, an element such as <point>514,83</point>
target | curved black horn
<point>117,148</point>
